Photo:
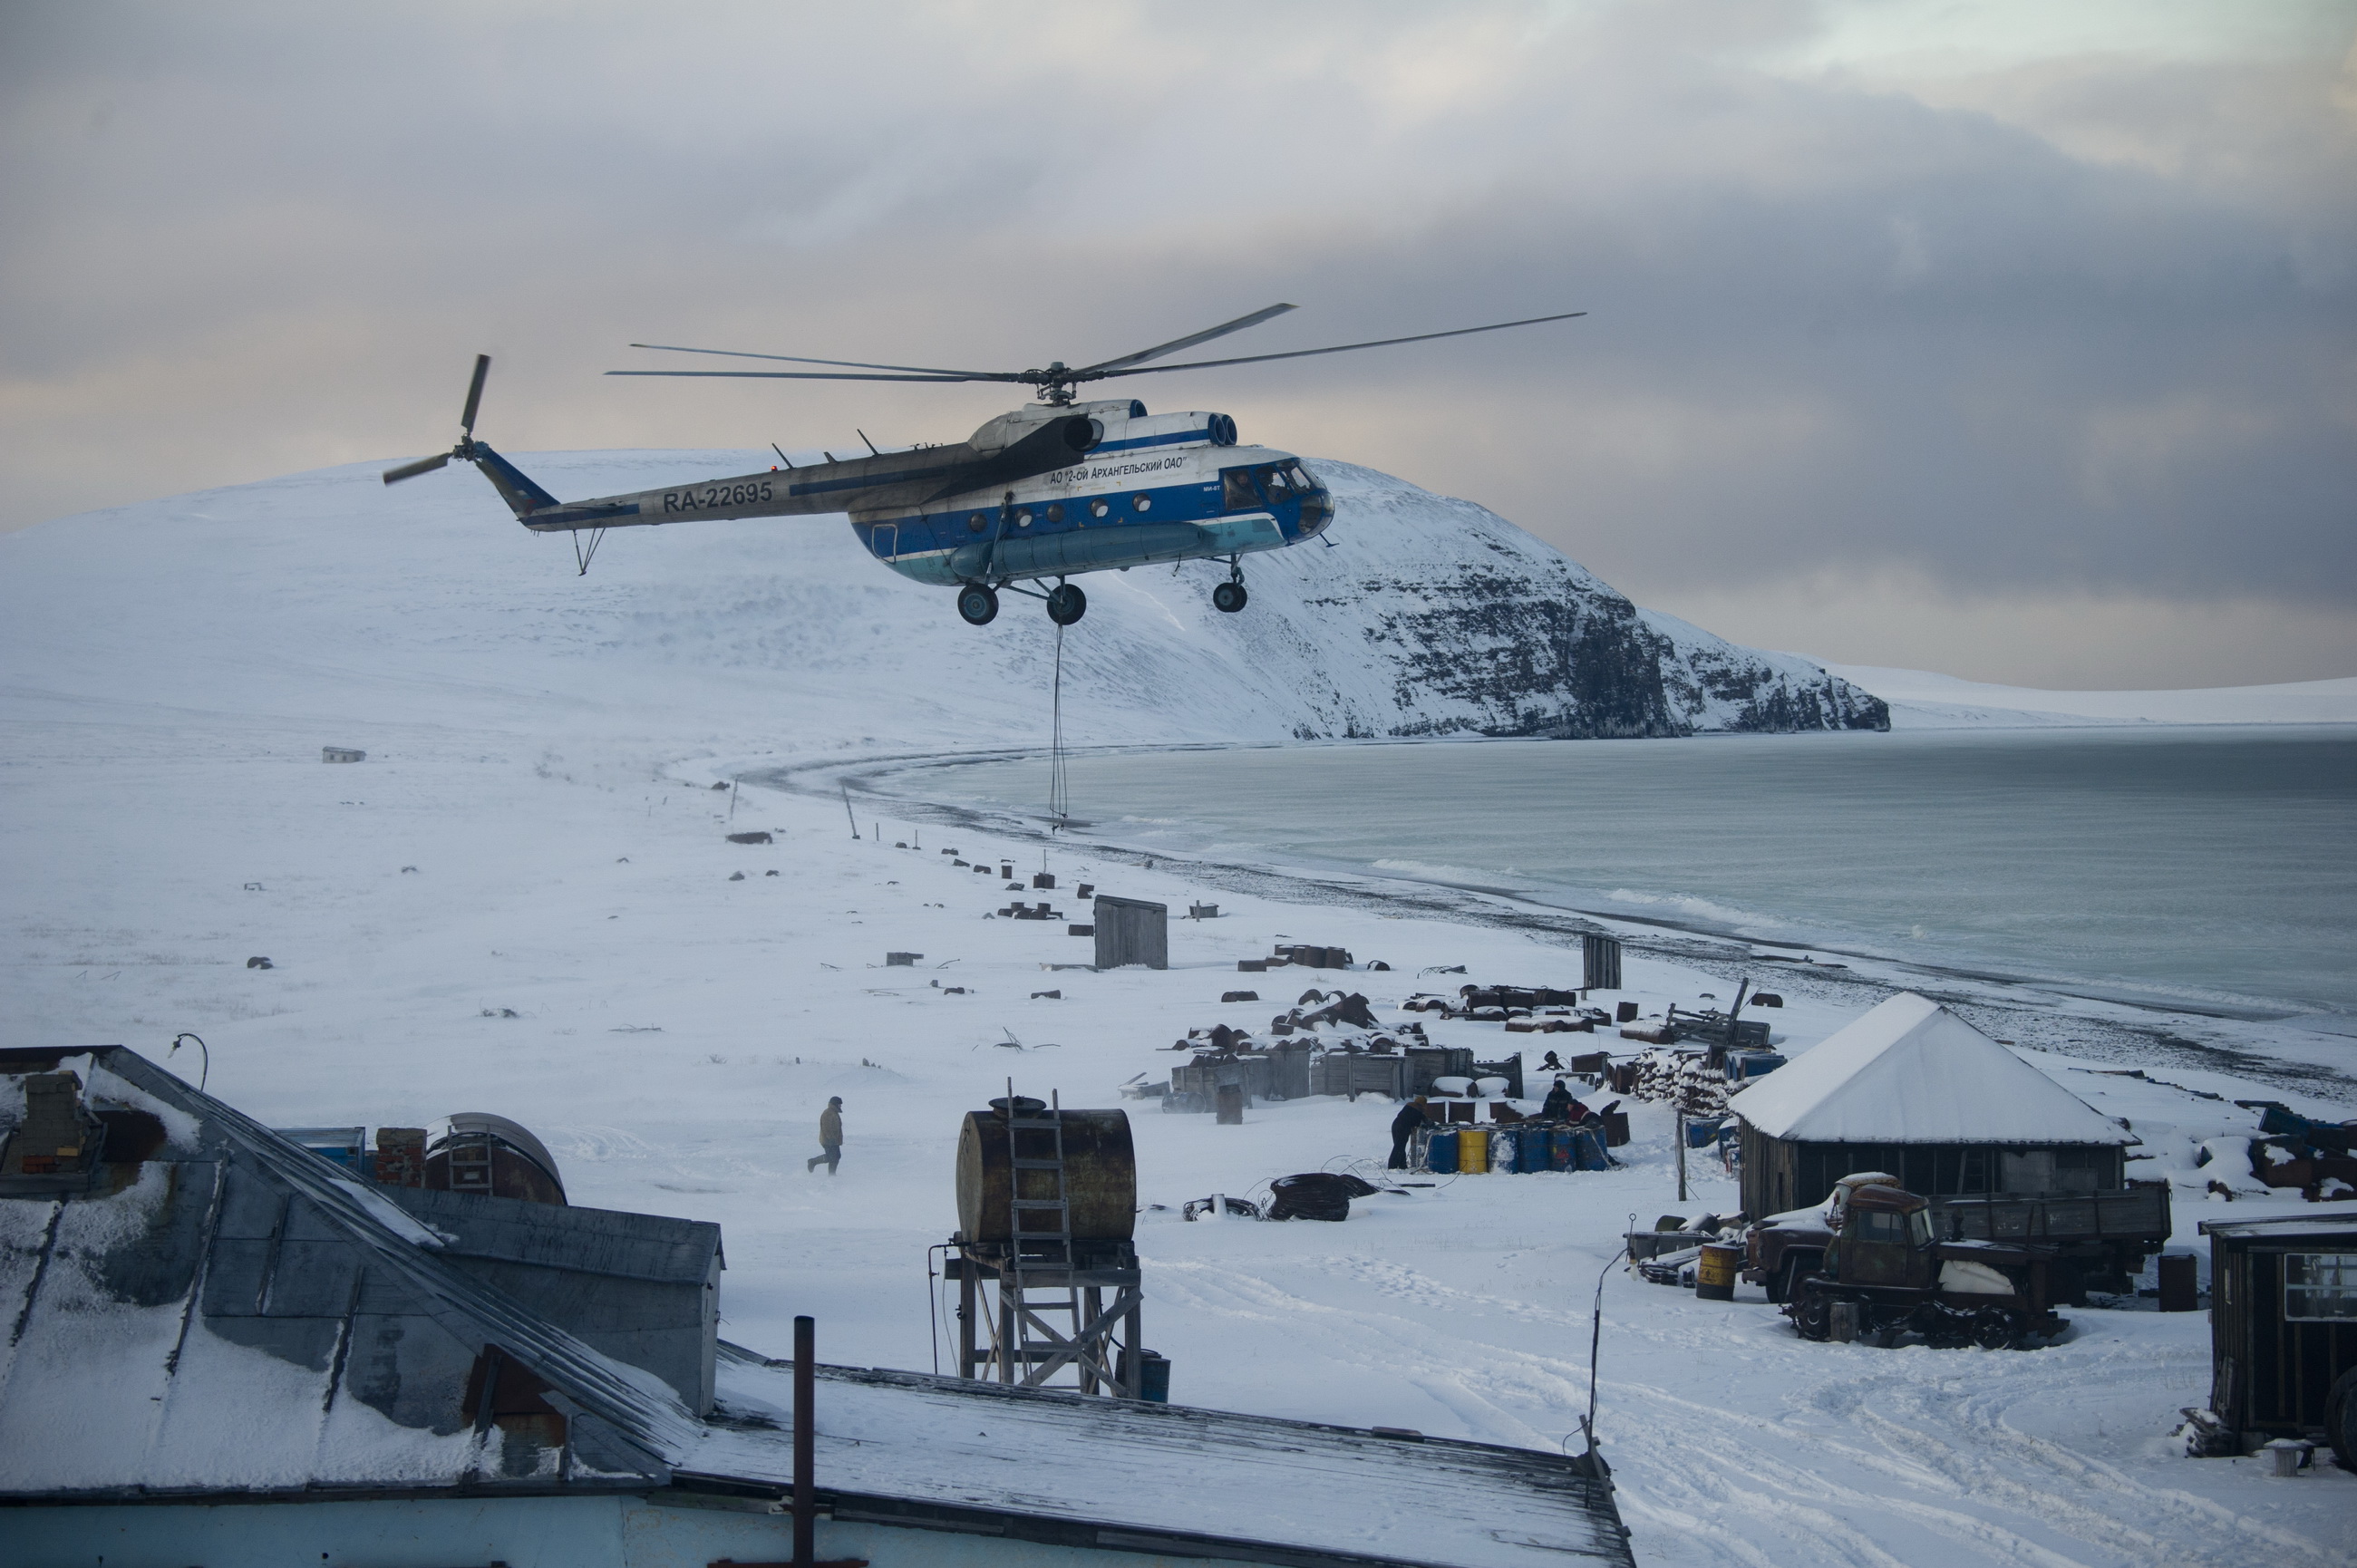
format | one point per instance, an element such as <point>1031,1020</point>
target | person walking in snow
<point>830,1138</point>
<point>1411,1116</point>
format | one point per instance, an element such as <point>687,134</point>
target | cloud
<point>2050,314</point>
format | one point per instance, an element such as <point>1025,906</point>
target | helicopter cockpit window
<point>1236,491</point>
<point>1276,481</point>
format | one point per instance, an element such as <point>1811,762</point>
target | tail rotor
<point>465,447</point>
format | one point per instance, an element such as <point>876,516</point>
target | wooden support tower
<point>1035,1307</point>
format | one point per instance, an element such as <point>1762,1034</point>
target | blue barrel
<point>1589,1155</point>
<point>1153,1379</point>
<point>1560,1152</point>
<point>1532,1150</point>
<point>1440,1154</point>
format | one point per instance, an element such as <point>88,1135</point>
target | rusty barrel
<point>1099,1176</point>
<point>1715,1271</point>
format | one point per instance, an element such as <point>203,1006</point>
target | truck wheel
<point>1816,1318</point>
<point>1993,1330</point>
<point>2340,1419</point>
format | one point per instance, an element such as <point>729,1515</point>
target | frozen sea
<point>2203,869</point>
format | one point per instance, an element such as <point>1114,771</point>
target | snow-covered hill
<point>1920,699</point>
<point>1428,616</point>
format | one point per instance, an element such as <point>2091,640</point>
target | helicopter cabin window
<point>1100,509</point>
<point>1141,502</point>
<point>1023,517</point>
<point>973,524</point>
<point>1055,512</point>
<point>1236,491</point>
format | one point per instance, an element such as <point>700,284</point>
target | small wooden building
<point>2283,1323</point>
<point>1913,1089</point>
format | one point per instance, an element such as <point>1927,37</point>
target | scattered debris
<point>254,888</point>
<point>1218,1204</point>
<point>1202,911</point>
<point>1047,996</point>
<point>409,871</point>
<point>901,959</point>
<point>259,964</point>
<point>1239,996</point>
<point>488,1012</point>
<point>769,873</point>
<point>341,754</point>
<point>1316,1195</point>
<point>722,785</point>
<point>735,877</point>
<point>757,836</point>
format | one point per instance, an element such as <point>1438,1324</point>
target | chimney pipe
<point>805,1426</point>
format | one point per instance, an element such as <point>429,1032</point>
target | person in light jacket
<point>830,1138</point>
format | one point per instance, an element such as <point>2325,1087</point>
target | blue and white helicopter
<point>1052,491</point>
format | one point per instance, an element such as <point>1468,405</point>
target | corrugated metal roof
<point>1165,1478</point>
<point>1910,1071</point>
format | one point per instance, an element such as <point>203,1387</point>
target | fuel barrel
<point>1715,1271</point>
<point>1100,1175</point>
<point>1473,1151</point>
<point>476,1151</point>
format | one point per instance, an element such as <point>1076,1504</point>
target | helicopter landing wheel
<point>1067,604</point>
<point>978,603</point>
<point>1229,597</point>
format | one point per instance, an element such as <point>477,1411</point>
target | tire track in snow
<point>1934,1439</point>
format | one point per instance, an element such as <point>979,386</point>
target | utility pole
<point>1682,1156</point>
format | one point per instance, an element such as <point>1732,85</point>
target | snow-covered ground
<point>524,902</point>
<point>1920,699</point>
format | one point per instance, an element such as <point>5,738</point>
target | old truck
<point>2100,1240</point>
<point>1885,1274</point>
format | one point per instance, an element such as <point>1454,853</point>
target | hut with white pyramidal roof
<point>1913,1089</point>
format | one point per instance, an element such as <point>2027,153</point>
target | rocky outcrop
<point>1475,626</point>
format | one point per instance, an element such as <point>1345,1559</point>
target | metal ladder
<point>1026,1339</point>
<point>470,1166</point>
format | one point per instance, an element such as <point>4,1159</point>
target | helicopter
<point>1055,490</point>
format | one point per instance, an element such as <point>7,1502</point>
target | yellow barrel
<point>1715,1271</point>
<point>1472,1151</point>
<point>1099,1176</point>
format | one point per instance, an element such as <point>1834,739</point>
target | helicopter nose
<point>1317,510</point>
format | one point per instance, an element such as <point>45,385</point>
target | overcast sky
<point>2014,340</point>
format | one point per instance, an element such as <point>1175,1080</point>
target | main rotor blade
<point>1337,348</point>
<point>848,365</point>
<point>810,376</point>
<point>475,394</point>
<point>411,470</point>
<point>1238,324</point>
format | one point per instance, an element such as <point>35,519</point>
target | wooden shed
<point>2283,1322</point>
<point>1913,1089</point>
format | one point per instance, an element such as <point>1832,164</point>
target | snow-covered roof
<point>2338,1220</point>
<point>1167,1480</point>
<point>1910,1071</point>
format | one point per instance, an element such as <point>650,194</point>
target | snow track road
<point>1875,1458</point>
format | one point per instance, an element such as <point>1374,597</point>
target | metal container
<point>490,1156</point>
<point>1100,1175</point>
<point>1473,1150</point>
<point>1440,1154</point>
<point>2181,1289</point>
<point>1505,1148</point>
<point>1715,1271</point>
